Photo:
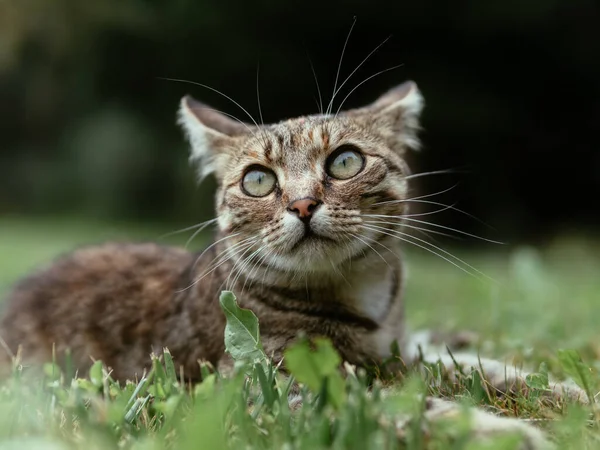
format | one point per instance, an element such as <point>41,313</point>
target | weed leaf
<point>571,363</point>
<point>316,367</point>
<point>242,338</point>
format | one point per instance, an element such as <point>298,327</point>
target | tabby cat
<point>310,221</point>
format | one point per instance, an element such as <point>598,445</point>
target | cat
<point>294,205</point>
<point>309,213</point>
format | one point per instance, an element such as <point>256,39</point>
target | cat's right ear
<point>211,134</point>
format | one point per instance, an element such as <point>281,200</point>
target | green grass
<point>540,302</point>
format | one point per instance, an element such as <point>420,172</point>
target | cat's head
<point>306,191</point>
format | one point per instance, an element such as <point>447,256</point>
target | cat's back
<point>97,301</point>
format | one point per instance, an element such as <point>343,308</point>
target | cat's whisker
<point>408,217</point>
<point>375,241</point>
<point>250,266</point>
<point>224,256</point>
<point>433,172</point>
<point>263,135</point>
<point>407,237</point>
<point>429,213</point>
<point>241,122</point>
<point>312,68</point>
<point>228,254</point>
<point>430,202</point>
<point>443,191</point>
<point>412,227</point>
<point>336,91</point>
<point>371,247</point>
<point>337,75</point>
<point>196,233</point>
<point>244,266</point>
<point>464,233</point>
<point>195,83</point>
<point>361,83</point>
<point>193,227</point>
<point>238,267</point>
<point>257,265</point>
<point>229,236</point>
<point>262,122</point>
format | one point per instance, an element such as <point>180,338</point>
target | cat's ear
<point>397,113</point>
<point>211,134</point>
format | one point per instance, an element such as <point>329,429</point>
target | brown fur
<point>120,302</point>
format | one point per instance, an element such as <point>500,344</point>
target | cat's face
<point>297,194</point>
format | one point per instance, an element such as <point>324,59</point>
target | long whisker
<point>368,245</point>
<point>363,82</point>
<point>443,191</point>
<point>258,96</point>
<point>330,106</point>
<point>214,90</point>
<point>204,252</point>
<point>237,267</point>
<point>312,68</point>
<point>464,233</point>
<point>241,122</point>
<point>433,172</point>
<point>193,227</point>
<point>375,241</point>
<point>402,218</point>
<point>408,236</point>
<point>196,233</point>
<point>256,266</point>
<point>435,211</point>
<point>405,225</point>
<point>337,75</point>
<point>245,263</point>
<point>229,253</point>
<point>429,202</point>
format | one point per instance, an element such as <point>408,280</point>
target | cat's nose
<point>304,207</point>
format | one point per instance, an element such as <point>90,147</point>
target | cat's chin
<point>315,254</point>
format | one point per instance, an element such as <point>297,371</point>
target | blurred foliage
<point>88,127</point>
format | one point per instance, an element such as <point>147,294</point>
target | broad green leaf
<point>96,373</point>
<point>538,380</point>
<point>313,367</point>
<point>571,363</point>
<point>242,338</point>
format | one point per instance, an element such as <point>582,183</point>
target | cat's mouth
<point>310,238</point>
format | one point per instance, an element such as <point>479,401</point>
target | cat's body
<point>120,302</point>
<point>325,276</point>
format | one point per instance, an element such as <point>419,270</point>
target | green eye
<point>345,163</point>
<point>258,182</point>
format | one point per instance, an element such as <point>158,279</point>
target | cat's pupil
<point>345,165</point>
<point>258,183</point>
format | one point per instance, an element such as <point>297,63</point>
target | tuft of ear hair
<point>209,132</point>
<point>399,110</point>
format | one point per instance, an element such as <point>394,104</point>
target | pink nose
<point>304,207</point>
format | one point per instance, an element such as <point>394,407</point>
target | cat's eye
<point>346,162</point>
<point>258,181</point>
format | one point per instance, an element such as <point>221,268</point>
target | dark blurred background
<point>512,89</point>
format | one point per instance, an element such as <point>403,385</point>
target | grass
<point>542,301</point>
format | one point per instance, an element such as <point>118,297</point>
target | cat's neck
<point>364,284</point>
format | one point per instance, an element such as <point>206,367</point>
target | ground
<point>540,303</point>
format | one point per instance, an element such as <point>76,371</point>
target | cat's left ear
<point>212,135</point>
<point>397,114</point>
